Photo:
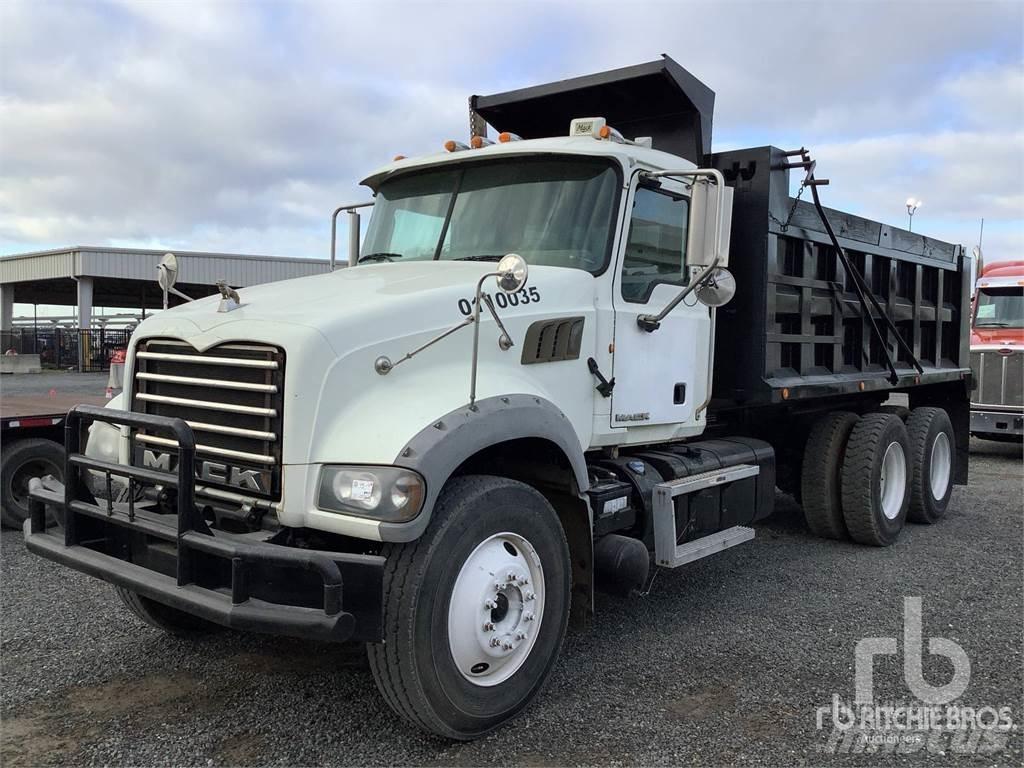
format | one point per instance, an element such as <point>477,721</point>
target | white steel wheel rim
<point>940,466</point>
<point>893,480</point>
<point>496,609</point>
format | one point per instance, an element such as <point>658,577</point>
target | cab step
<point>667,552</point>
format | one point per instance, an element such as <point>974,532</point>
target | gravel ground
<point>724,662</point>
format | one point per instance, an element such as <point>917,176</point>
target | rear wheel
<point>821,487</point>
<point>876,479</point>
<point>475,609</point>
<point>161,616</point>
<point>932,452</point>
<point>23,460</point>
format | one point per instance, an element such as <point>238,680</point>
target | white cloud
<point>239,126</point>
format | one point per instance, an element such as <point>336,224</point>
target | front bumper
<point>997,422</point>
<point>239,580</point>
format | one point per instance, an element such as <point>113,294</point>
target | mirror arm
<point>353,239</point>
<point>178,293</point>
<point>652,323</point>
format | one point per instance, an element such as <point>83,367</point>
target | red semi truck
<point>997,352</point>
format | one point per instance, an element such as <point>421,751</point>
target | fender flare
<point>440,448</point>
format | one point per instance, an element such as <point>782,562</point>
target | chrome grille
<point>999,376</point>
<point>231,396</point>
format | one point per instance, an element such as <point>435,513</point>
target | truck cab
<point>997,352</point>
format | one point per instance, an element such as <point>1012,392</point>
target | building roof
<point>122,276</point>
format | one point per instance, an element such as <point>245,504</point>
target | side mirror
<point>167,276</point>
<point>512,273</point>
<point>717,289</point>
<point>167,271</point>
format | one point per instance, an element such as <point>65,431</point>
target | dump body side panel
<point>796,328</point>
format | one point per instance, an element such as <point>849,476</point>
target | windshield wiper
<point>482,257</point>
<point>994,324</point>
<point>382,256</point>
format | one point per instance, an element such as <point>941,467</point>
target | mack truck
<point>997,352</point>
<point>572,349</point>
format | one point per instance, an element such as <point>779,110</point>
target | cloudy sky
<point>238,126</point>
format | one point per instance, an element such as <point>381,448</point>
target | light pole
<point>912,206</point>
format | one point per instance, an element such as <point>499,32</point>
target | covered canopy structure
<point>88,276</point>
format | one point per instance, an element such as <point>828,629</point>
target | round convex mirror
<point>717,289</point>
<point>512,272</point>
<point>167,271</point>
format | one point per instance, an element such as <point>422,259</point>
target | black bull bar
<point>175,558</point>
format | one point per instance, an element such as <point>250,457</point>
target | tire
<point>933,463</point>
<point>820,481</point>
<point>161,616</point>
<point>896,410</point>
<point>423,668</point>
<point>22,460</point>
<point>876,479</point>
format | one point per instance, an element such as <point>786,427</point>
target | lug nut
<point>520,635</point>
<point>506,646</point>
<point>528,596</point>
<point>527,616</point>
<point>495,642</point>
<point>489,627</point>
<point>499,585</point>
<point>490,605</point>
<point>510,576</point>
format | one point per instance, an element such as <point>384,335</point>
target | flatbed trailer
<point>31,444</point>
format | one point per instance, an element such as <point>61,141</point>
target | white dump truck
<point>566,356</point>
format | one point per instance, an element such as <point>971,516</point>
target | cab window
<point>656,246</point>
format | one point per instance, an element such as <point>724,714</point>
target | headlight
<point>390,494</point>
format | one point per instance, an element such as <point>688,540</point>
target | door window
<point>656,246</point>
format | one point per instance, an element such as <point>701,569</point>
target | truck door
<point>659,375</point>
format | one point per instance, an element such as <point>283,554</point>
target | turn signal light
<point>398,157</point>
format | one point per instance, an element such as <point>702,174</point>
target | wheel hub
<point>496,608</point>
<point>893,480</point>
<point>940,466</point>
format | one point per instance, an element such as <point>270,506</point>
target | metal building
<point>87,276</point>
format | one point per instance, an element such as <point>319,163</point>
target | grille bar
<point>238,362</point>
<point>208,404</point>
<point>210,449</point>
<point>194,381</point>
<point>222,429</point>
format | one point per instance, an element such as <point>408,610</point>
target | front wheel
<point>475,610</point>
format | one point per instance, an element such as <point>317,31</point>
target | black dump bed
<point>796,328</point>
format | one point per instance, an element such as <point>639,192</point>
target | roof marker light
<point>607,132</point>
<point>454,146</point>
<point>398,157</point>
<point>480,141</point>
<point>504,137</point>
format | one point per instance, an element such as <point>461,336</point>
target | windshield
<point>555,211</point>
<point>1000,308</point>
